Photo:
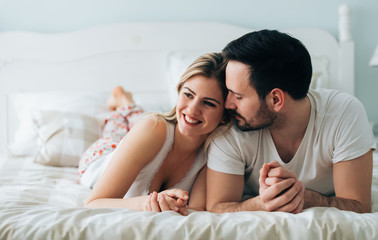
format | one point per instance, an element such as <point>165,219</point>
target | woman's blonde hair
<point>210,65</point>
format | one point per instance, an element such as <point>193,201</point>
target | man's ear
<point>277,99</point>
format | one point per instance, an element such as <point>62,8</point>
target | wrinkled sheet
<point>40,202</point>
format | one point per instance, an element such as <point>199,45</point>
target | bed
<point>53,89</point>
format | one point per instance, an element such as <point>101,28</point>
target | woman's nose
<point>194,107</point>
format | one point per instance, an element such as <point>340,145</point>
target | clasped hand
<point>171,199</point>
<point>280,189</point>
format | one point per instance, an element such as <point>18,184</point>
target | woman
<point>158,161</point>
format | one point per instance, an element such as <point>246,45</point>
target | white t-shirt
<point>338,130</point>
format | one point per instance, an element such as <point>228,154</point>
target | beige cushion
<point>63,137</point>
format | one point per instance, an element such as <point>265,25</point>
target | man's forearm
<point>315,199</point>
<point>252,204</point>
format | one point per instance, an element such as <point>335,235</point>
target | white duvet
<point>39,202</point>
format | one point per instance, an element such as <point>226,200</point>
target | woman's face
<point>200,106</point>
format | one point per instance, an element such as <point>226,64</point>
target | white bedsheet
<point>39,202</point>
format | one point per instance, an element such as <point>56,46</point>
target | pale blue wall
<point>67,15</point>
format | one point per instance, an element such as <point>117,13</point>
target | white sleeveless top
<point>141,185</point>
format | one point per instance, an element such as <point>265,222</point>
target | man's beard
<point>264,118</point>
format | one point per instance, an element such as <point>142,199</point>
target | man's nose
<point>229,104</point>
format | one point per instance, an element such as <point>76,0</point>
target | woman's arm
<point>176,199</point>
<point>171,199</point>
<point>136,203</point>
<point>138,148</point>
<point>197,199</point>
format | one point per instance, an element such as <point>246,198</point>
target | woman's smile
<point>191,120</point>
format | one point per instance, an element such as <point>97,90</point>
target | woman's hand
<point>171,199</point>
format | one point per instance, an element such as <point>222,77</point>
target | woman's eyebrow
<point>207,98</point>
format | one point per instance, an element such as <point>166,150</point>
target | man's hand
<point>280,189</point>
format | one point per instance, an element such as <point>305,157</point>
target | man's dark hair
<point>275,60</point>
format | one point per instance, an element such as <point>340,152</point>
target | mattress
<point>41,202</point>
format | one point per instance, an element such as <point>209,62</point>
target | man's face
<point>250,112</point>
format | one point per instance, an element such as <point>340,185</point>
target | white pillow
<point>153,101</point>
<point>63,137</point>
<point>177,63</point>
<point>319,72</point>
<point>87,103</point>
<point>22,105</point>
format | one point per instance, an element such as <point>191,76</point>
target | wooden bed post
<point>346,68</point>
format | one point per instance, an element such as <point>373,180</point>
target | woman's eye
<point>187,94</point>
<point>238,98</point>
<point>209,104</point>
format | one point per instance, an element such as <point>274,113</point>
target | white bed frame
<point>134,55</point>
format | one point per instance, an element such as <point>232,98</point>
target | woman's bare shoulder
<point>152,129</point>
<point>144,141</point>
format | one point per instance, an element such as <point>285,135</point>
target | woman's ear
<point>277,99</point>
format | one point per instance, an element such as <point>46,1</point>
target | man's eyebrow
<point>206,98</point>
<point>235,92</point>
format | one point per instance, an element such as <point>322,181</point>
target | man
<point>297,148</point>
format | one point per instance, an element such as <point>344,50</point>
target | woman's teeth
<point>189,120</point>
